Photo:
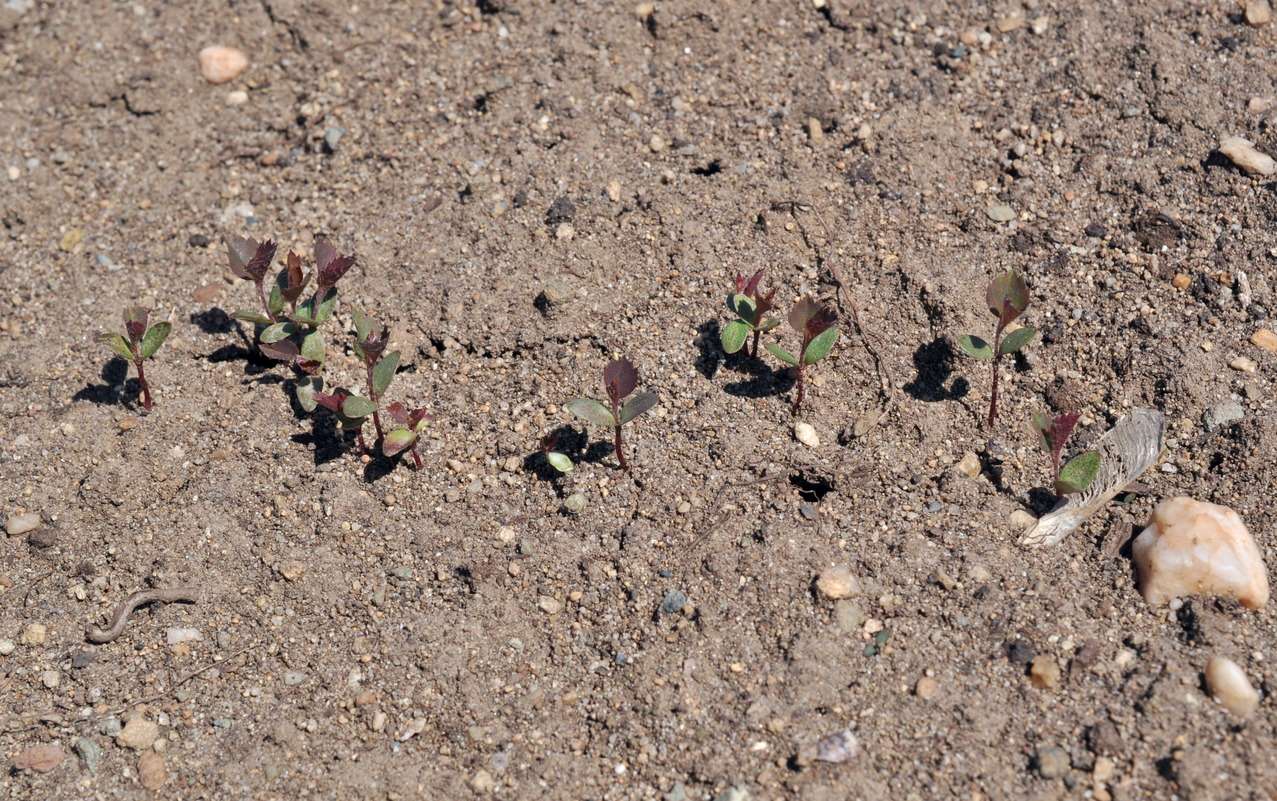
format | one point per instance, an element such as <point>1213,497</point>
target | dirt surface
<point>531,188</point>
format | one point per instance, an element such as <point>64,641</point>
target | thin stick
<point>125,610</point>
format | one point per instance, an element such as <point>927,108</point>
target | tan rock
<point>151,771</point>
<point>21,524</point>
<point>219,64</point>
<point>1197,548</point>
<point>806,434</point>
<point>1265,339</point>
<point>1045,672</point>
<point>837,583</point>
<point>926,687</point>
<point>34,634</point>
<point>1258,12</point>
<point>1229,686</point>
<point>40,758</point>
<point>1242,152</point>
<point>138,734</point>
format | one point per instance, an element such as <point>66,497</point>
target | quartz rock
<point>1197,548</point>
<point>219,64</point>
<point>1242,152</point>
<point>1228,684</point>
<point>837,583</point>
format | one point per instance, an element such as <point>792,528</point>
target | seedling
<point>750,305</point>
<point>138,344</point>
<point>557,459</point>
<point>1078,473</point>
<point>291,332</point>
<point>351,411</point>
<point>620,377</point>
<point>406,431</point>
<point>816,324</point>
<point>1007,297</point>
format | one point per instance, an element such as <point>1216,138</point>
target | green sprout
<point>1007,297</point>
<point>816,324</point>
<point>556,458</point>
<point>620,378</point>
<point>1078,473</point>
<point>138,344</point>
<point>750,305</point>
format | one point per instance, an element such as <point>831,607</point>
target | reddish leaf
<point>249,258</point>
<point>332,402</point>
<point>805,309</point>
<point>331,266</point>
<point>1007,297</point>
<point>135,318</point>
<point>620,377</point>
<point>398,412</point>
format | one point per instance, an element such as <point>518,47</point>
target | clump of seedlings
<point>554,457</point>
<point>816,324</point>
<point>750,305</point>
<point>1007,297</point>
<point>620,378</point>
<point>137,344</point>
<point>291,325</point>
<point>1076,474</point>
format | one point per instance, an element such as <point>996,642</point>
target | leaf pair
<point>351,410</point>
<point>410,424</point>
<point>815,322</point>
<point>750,305</point>
<point>1078,473</point>
<point>141,342</point>
<point>620,378</point>
<point>1007,296</point>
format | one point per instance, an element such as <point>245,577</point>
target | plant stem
<point>146,389</point>
<point>261,293</point>
<point>372,396</point>
<point>359,436</point>
<point>802,389</point>
<point>993,395</point>
<point>620,451</point>
<point>753,353</point>
<point>416,457</point>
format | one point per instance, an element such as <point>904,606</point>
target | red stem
<point>753,354</point>
<point>372,396</point>
<point>416,457</point>
<point>146,388</point>
<point>997,361</point>
<point>620,451</point>
<point>802,390</point>
<point>261,293</point>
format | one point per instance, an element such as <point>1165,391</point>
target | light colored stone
<point>1197,548</point>
<point>969,465</point>
<point>806,434</point>
<point>1000,213</point>
<point>1010,22</point>
<point>34,634</point>
<point>837,583</point>
<point>551,606</point>
<point>21,524</point>
<point>292,570</point>
<point>151,771</point>
<point>1104,769</point>
<point>482,782</point>
<point>1243,364</point>
<point>1265,339</point>
<point>1045,672</point>
<point>614,191</point>
<point>1021,519</point>
<point>1242,152</point>
<point>139,734</point>
<point>926,687</point>
<point>1260,104</point>
<point>1229,686</point>
<point>219,64</point>
<point>1258,12</point>
<point>236,98</point>
<point>40,758</point>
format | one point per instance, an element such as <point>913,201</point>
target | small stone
<point>673,602</point>
<point>1258,12</point>
<point>557,293</point>
<point>129,423</point>
<point>1052,762</point>
<point>614,191</point>
<point>1259,104</point>
<point>1000,213</point>
<point>1265,339</point>
<point>1244,364</point>
<point>7,646</point>
<point>969,465</point>
<point>926,687</point>
<point>1222,414</point>
<point>1021,652</point>
<point>1229,686</point>
<point>332,137</point>
<point>151,771</point>
<point>1095,231</point>
<point>50,678</point>
<point>1181,281</point>
<point>90,752</point>
<point>733,794</point>
<point>814,131</point>
<point>219,64</point>
<point>34,634</point>
<point>70,239</point>
<point>1104,769</point>
<point>482,782</point>
<point>1242,152</point>
<point>551,606</point>
<point>506,534</point>
<point>21,524</point>
<point>1045,672</point>
<point>292,570</point>
<point>40,758</point>
<point>1020,519</point>
<point>837,583</point>
<point>656,144</point>
<point>176,635</point>
<point>294,677</point>
<point>574,504</point>
<point>806,434</point>
<point>1010,22</point>
<point>838,747</point>
<point>849,616</point>
<point>945,580</point>
<point>565,232</point>
<point>809,511</point>
<point>138,734</point>
<point>236,98</point>
<point>1196,548</point>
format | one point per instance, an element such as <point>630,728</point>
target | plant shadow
<point>711,355</point>
<point>254,362</point>
<point>214,321</point>
<point>764,382</point>
<point>934,363</point>
<point>116,386</point>
<point>567,441</point>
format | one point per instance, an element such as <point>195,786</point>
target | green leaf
<point>781,354</point>
<point>326,307</point>
<point>975,346</point>
<point>278,331</point>
<point>398,441</point>
<point>769,325</point>
<point>117,344</point>
<point>745,308</point>
<point>276,300</point>
<point>591,411</point>
<point>306,389</point>
<point>384,373</point>
<point>251,317</point>
<point>637,405</point>
<point>363,325</point>
<point>819,347</point>
<point>1007,296</point>
<point>356,407</point>
<point>1042,424</point>
<point>1016,339</point>
<point>154,338</point>
<point>559,461</point>
<point>1078,474</point>
<point>313,346</point>
<point>734,335</point>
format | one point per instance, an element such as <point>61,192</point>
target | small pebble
<point>613,191</point>
<point>236,98</point>
<point>557,293</point>
<point>1258,12</point>
<point>6,646</point>
<point>482,782</point>
<point>1242,152</point>
<point>837,583</point>
<point>969,465</point>
<point>1000,213</point>
<point>1265,339</point>
<point>294,677</point>
<point>838,747</point>
<point>1052,762</point>
<point>90,752</point>
<point>70,240</point>
<point>1222,414</point>
<point>1229,686</point>
<point>176,635</point>
<point>1243,364</point>
<point>1181,281</point>
<point>129,423</point>
<point>151,771</point>
<point>292,570</point>
<point>34,634</point>
<point>50,678</point>
<point>926,687</point>
<point>40,758</point>
<point>21,524</point>
<point>673,603</point>
<point>574,504</point>
<point>551,606</point>
<point>806,434</point>
<point>333,136</point>
<point>219,64</point>
<point>138,734</point>
<point>1045,672</point>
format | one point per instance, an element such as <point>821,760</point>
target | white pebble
<point>837,583</point>
<point>219,64</point>
<point>806,434</point>
<point>236,98</point>
<point>21,524</point>
<point>1197,548</point>
<point>1242,152</point>
<point>1229,686</point>
<point>177,635</point>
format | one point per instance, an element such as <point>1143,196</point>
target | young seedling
<point>816,324</point>
<point>407,429</point>
<point>1078,473</point>
<point>750,305</point>
<point>139,344</point>
<point>556,459</point>
<point>380,371</point>
<point>351,411</point>
<point>291,332</point>
<point>620,377</point>
<point>1007,298</point>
